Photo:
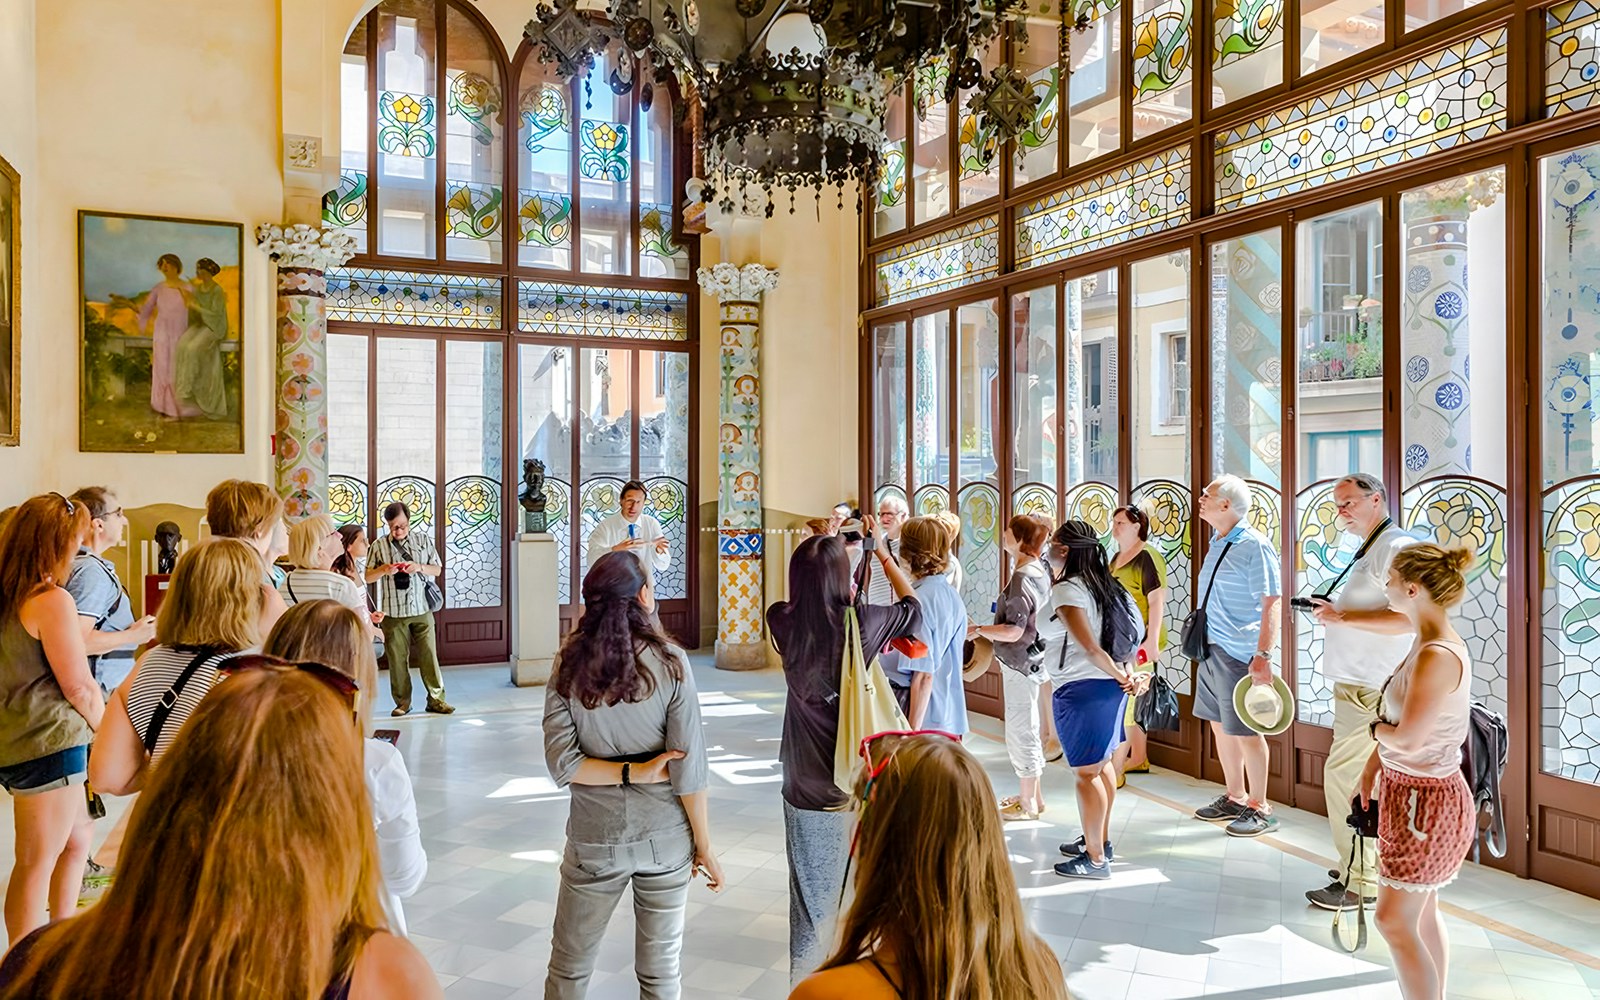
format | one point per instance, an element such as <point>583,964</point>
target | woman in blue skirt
<point>1091,688</point>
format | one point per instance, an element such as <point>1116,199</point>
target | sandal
<point>1011,809</point>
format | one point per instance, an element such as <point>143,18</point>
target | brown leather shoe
<point>402,709</point>
<point>440,707</point>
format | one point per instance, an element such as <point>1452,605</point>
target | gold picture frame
<point>10,305</point>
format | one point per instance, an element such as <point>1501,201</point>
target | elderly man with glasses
<point>1363,644</point>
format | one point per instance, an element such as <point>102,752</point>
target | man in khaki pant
<point>1364,643</point>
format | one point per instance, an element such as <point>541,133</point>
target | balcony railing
<point>1335,346</point>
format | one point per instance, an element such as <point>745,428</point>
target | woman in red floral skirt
<point>1426,820</point>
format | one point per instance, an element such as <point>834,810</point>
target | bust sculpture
<point>168,537</point>
<point>532,497</point>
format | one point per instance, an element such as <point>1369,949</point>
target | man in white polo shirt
<point>1364,643</point>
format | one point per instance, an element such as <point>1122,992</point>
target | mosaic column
<point>300,453</point>
<point>741,643</point>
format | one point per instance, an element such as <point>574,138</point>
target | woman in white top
<point>1426,818</point>
<point>314,544</point>
<point>326,632</point>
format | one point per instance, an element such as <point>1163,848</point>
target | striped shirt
<point>416,548</point>
<point>1244,582</point>
<point>157,671</point>
<point>322,585</point>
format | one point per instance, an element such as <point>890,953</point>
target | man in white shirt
<point>1364,643</point>
<point>632,530</point>
<point>892,516</point>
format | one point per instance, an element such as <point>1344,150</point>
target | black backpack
<point>1127,632</point>
<point>1483,761</point>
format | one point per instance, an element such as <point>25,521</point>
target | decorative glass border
<point>956,257</point>
<point>1137,200</point>
<point>586,311</point>
<point>1571,57</point>
<point>408,298</point>
<point>1445,99</point>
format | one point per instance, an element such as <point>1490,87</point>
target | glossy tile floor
<point>1162,927</point>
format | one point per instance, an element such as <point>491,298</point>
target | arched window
<point>520,291</point>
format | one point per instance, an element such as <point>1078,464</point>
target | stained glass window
<point>1335,30</point>
<point>1039,59</point>
<point>978,152</point>
<point>474,133</point>
<point>1141,198</point>
<point>889,406</point>
<point>965,255</point>
<point>664,394</point>
<point>407,442</point>
<point>1571,57</point>
<point>1449,97</point>
<point>1247,48</point>
<point>474,514</point>
<point>930,413</point>
<point>407,132</point>
<point>544,410</point>
<point>407,298</point>
<point>978,462</point>
<point>606,139</point>
<point>544,168</point>
<point>345,207</point>
<point>582,310</point>
<point>930,169</point>
<point>889,201</point>
<point>1034,445</point>
<point>1094,83</point>
<point>660,253</point>
<point>348,436</point>
<point>1246,357</point>
<point>1162,50</point>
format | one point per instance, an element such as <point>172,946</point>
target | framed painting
<point>10,304</point>
<point>162,352</point>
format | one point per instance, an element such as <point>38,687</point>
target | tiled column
<point>300,434</point>
<point>741,643</point>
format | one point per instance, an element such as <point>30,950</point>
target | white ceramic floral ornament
<point>306,246</point>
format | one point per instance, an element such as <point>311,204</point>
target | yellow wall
<point>163,108</point>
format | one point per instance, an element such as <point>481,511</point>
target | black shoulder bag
<point>1194,641</point>
<point>169,700</point>
<point>430,587</point>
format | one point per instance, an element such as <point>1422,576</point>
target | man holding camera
<point>397,562</point>
<point>1363,644</point>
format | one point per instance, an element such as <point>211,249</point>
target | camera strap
<point>1327,592</point>
<point>1358,858</point>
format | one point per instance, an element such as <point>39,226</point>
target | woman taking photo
<point>1143,574</point>
<point>352,562</point>
<point>1091,689</point>
<point>1426,815</point>
<point>936,697</point>
<point>936,912</point>
<point>1022,608</point>
<point>622,729</point>
<point>328,632</point>
<point>248,869</point>
<point>50,707</point>
<point>212,610</point>
<point>808,631</point>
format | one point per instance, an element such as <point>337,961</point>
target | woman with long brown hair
<point>212,610</point>
<point>50,707</point>
<point>622,729</point>
<point>936,912</point>
<point>325,631</point>
<point>248,868</point>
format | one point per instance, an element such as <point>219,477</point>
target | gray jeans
<point>593,877</point>
<point>818,846</point>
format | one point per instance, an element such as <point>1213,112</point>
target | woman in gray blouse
<point>622,729</point>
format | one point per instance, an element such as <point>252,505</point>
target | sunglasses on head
<point>72,508</point>
<point>342,683</point>
<point>874,769</point>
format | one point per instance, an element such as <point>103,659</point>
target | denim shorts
<point>44,774</point>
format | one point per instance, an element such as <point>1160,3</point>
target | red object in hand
<point>1142,658</point>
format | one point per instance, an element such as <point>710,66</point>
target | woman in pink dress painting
<point>169,302</point>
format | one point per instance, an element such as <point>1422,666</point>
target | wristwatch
<point>626,778</point>
<point>1263,654</point>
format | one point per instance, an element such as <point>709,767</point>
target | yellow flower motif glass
<point>603,151</point>
<point>405,124</point>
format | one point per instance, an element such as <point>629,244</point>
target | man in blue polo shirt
<point>1242,577</point>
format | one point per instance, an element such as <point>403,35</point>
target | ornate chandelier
<point>792,97</point>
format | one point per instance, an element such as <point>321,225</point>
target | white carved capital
<point>300,245</point>
<point>732,283</point>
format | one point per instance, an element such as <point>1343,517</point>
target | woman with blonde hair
<point>212,610</point>
<point>929,687</point>
<point>936,912</point>
<point>326,631</point>
<point>951,522</point>
<point>50,707</point>
<point>1426,815</point>
<point>248,867</point>
<point>252,513</point>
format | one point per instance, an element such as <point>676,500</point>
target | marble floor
<point>1161,927</point>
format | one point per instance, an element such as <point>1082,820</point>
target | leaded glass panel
<point>889,201</point>
<point>1162,51</point>
<point>1246,357</point>
<point>978,414</point>
<point>1142,198</point>
<point>1038,145</point>
<point>1034,385</point>
<point>978,152</point>
<point>965,255</point>
<point>585,310</point>
<point>348,436</point>
<point>930,168</point>
<point>407,134</point>
<point>660,253</point>
<point>345,207</point>
<point>474,470</point>
<point>606,137</point>
<point>1094,82</point>
<point>1445,99</point>
<point>474,137</point>
<point>544,168</point>
<point>1247,48</point>
<point>664,394</point>
<point>408,298</point>
<point>1571,57</point>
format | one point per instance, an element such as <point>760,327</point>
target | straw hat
<point>976,655</point>
<point>1266,708</point>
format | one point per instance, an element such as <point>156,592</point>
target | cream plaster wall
<point>160,107</point>
<point>19,144</point>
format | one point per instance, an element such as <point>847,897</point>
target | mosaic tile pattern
<point>962,256</point>
<point>1141,198</point>
<point>1445,99</point>
<point>1571,57</point>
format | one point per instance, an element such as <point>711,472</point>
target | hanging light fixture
<point>794,96</point>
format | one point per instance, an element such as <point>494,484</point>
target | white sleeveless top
<point>1440,755</point>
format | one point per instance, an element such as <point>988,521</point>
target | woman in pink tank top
<point>1426,820</point>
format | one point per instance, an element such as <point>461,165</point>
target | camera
<point>1306,603</point>
<point>402,580</point>
<point>1363,820</point>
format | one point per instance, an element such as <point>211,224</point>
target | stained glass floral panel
<point>406,298</point>
<point>1139,199</point>
<point>1037,146</point>
<point>1571,57</point>
<point>345,207</point>
<point>660,256</point>
<point>416,492</point>
<point>668,502</point>
<point>1162,51</point>
<point>1570,313</point>
<point>1171,534</point>
<point>1323,549</point>
<point>1570,603</point>
<point>962,256</point>
<point>1447,98</point>
<point>588,311</point>
<point>474,543</point>
<point>347,500</point>
<point>603,151</point>
<point>889,201</point>
<point>472,211</point>
<point>545,220</point>
<point>979,508</point>
<point>1247,50</point>
<point>405,124</point>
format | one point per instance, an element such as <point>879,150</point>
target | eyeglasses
<point>111,513</point>
<point>342,683</point>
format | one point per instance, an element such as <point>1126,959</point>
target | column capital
<point>299,245</point>
<point>732,283</point>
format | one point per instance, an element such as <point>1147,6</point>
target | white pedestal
<point>538,631</point>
